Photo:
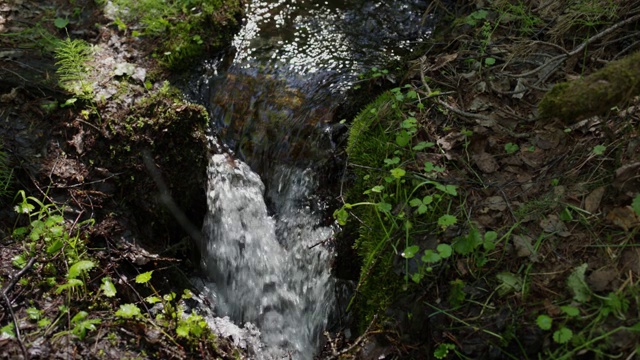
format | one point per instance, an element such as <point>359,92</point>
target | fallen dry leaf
<point>627,177</point>
<point>623,217</point>
<point>442,60</point>
<point>553,224</point>
<point>495,203</point>
<point>602,279</point>
<point>523,245</point>
<point>592,201</point>
<point>486,163</point>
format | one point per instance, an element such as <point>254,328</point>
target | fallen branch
<point>6,290</point>
<point>556,61</point>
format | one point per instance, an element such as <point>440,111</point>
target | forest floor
<point>94,138</point>
<point>537,253</point>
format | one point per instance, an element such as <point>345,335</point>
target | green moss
<point>595,94</point>
<point>368,145</point>
<point>185,30</point>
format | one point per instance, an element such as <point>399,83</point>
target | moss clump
<point>185,30</point>
<point>595,94</point>
<point>369,144</point>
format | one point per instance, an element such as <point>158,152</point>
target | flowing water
<point>265,253</point>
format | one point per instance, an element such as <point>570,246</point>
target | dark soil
<point>131,163</point>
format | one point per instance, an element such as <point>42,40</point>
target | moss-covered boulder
<point>595,94</point>
<point>171,133</point>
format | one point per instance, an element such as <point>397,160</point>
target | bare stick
<point>336,355</point>
<point>8,288</point>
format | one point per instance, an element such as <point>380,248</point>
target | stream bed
<point>265,258</point>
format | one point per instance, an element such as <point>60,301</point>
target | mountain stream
<point>265,253</point>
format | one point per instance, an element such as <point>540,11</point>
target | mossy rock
<point>173,133</point>
<point>182,32</point>
<point>595,94</point>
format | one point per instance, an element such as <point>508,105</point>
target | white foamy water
<point>263,270</point>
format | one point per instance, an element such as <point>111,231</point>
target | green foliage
<point>508,283</point>
<point>590,13</point>
<point>442,350</point>
<point>544,322</point>
<point>81,324</point>
<point>511,148</point>
<point>467,245</point>
<point>61,23</point>
<point>520,15</point>
<point>476,17</point>
<point>144,277</point>
<point>128,311</point>
<point>193,325</point>
<point>578,284</point>
<point>184,29</point>
<point>72,57</point>
<point>599,149</point>
<point>562,335</point>
<point>635,205</point>
<point>107,287</point>
<point>394,201</point>
<point>8,331</point>
<point>80,267</point>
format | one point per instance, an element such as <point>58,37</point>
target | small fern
<point>72,57</point>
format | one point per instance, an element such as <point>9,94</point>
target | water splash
<point>276,282</point>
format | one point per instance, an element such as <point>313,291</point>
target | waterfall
<point>265,250</point>
<point>263,269</point>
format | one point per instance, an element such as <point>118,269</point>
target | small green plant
<point>72,57</point>
<point>466,245</point>
<point>371,74</point>
<point>519,14</point>
<point>511,148</point>
<point>81,324</point>
<point>190,326</point>
<point>61,23</point>
<point>476,17</point>
<point>635,205</point>
<point>562,334</point>
<point>442,350</point>
<point>8,331</point>
<point>599,149</point>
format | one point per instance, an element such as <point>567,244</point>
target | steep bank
<point>483,231</point>
<point>100,146</point>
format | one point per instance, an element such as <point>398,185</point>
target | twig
<point>556,61</point>
<point>16,327</point>
<point>88,183</point>
<point>167,200</point>
<point>489,122</point>
<point>8,288</point>
<point>466,114</point>
<point>359,340</point>
<point>321,242</point>
<point>17,277</point>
